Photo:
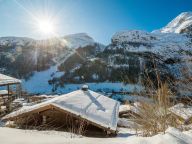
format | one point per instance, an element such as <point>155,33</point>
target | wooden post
<point>19,90</point>
<point>8,100</point>
<point>8,89</point>
<point>44,119</point>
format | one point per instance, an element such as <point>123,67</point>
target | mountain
<point>181,24</point>
<point>79,40</point>
<point>132,53</point>
<point>21,57</point>
<point>13,41</point>
<point>167,45</point>
<point>133,57</point>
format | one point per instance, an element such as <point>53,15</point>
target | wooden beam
<point>21,115</point>
<point>9,84</point>
<point>8,89</point>
<point>18,90</point>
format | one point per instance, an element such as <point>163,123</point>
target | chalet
<point>10,88</point>
<point>7,81</point>
<point>80,108</point>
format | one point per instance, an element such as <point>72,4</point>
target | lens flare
<point>45,26</point>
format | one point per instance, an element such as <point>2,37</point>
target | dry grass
<point>155,117</point>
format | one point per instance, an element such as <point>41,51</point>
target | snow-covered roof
<point>4,79</point>
<point>3,92</point>
<point>132,108</point>
<point>124,108</point>
<point>89,105</point>
<point>182,111</point>
<point>124,122</point>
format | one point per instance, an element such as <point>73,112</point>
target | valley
<point>132,58</point>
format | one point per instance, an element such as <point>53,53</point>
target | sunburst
<point>45,26</point>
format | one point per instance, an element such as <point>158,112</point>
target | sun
<point>45,26</point>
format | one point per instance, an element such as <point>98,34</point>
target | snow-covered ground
<point>16,136</point>
<point>38,83</point>
<point>39,87</point>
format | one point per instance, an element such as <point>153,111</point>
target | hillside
<point>21,57</point>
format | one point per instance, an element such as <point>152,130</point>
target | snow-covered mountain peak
<point>78,40</point>
<point>79,35</point>
<point>132,36</point>
<point>179,25</point>
<point>164,44</point>
<point>5,41</point>
<point>74,41</point>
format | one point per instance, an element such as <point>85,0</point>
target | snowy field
<point>16,136</point>
<point>38,83</point>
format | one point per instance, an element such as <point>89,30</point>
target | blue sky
<point>99,18</point>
